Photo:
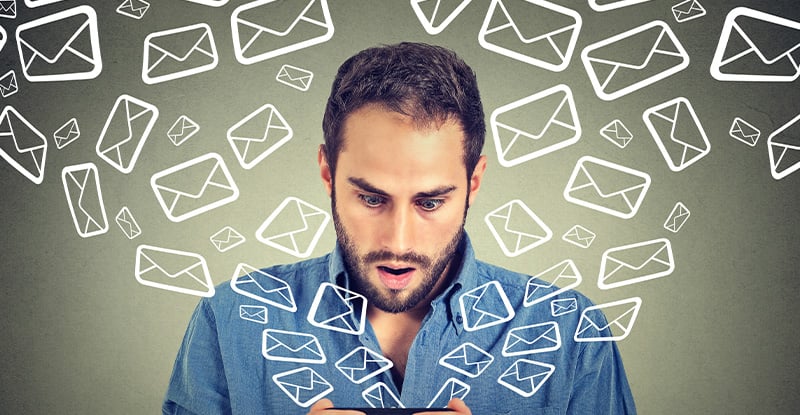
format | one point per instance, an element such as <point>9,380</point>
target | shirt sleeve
<point>198,384</point>
<point>601,386</point>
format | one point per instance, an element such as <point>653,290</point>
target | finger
<point>325,406</point>
<point>459,406</point>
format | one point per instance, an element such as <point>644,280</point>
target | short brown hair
<point>429,83</point>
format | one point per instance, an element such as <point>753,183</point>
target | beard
<point>358,268</point>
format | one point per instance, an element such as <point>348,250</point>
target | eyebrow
<point>367,187</point>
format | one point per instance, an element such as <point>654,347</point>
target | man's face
<point>399,199</point>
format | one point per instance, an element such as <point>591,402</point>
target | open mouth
<point>395,271</point>
<point>395,278</point>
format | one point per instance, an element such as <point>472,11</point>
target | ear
<point>324,169</point>
<point>476,178</point>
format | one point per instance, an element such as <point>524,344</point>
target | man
<point>400,314</point>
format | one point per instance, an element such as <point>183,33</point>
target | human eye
<point>371,201</point>
<point>430,205</point>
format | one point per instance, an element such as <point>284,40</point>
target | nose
<point>399,231</point>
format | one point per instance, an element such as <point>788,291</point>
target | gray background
<point>81,335</point>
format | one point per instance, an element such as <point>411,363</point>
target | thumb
<point>459,406</point>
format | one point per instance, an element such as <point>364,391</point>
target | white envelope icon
<point>634,263</point>
<point>535,338</point>
<point>22,145</point>
<point>125,131</point>
<point>127,223</point>
<point>678,133</point>
<point>67,133</point>
<point>380,395</point>
<point>363,364</point>
<point>607,187</point>
<point>226,239</point>
<point>254,313</point>
<point>547,41</point>
<point>177,53</point>
<point>294,227</point>
<point>289,346</point>
<point>8,83</point>
<point>621,64</point>
<point>8,9</point>
<point>617,133</point>
<point>37,3</point>
<point>606,5</point>
<point>467,359</point>
<point>183,129</point>
<point>304,385</point>
<point>82,187</point>
<point>784,149</point>
<point>525,377</point>
<point>744,132</point>
<point>452,388</point>
<point>680,213</point>
<point>688,10</point>
<point>516,228</point>
<point>535,125</point>
<point>264,29</point>
<point>594,327</point>
<point>485,306</point>
<point>194,187</point>
<point>562,277</point>
<point>435,15</point>
<point>563,306</point>
<point>261,286</point>
<point>133,8</point>
<point>52,49</point>
<point>338,309</point>
<point>297,78</point>
<point>757,47</point>
<point>173,270</point>
<point>579,236</point>
<point>258,135</point>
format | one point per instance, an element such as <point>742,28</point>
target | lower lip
<point>395,282</point>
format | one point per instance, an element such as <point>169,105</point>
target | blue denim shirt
<point>276,340</point>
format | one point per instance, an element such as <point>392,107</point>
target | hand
<point>323,406</point>
<point>456,405</point>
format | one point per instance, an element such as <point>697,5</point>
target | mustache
<point>410,257</point>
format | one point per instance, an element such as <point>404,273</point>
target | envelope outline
<point>580,169</point>
<point>566,56</point>
<point>150,47</point>
<point>8,82</point>
<point>127,8</point>
<point>744,132</point>
<point>356,364</point>
<point>566,278</point>
<point>127,223</point>
<point>304,347</point>
<point>36,177</point>
<point>428,22</point>
<point>377,395</point>
<point>168,209</point>
<point>688,10</point>
<point>106,151</point>
<point>8,9</point>
<point>599,87</point>
<point>211,3</point>
<point>462,361</point>
<point>297,78</point>
<point>91,25</point>
<point>579,236</point>
<point>239,49</point>
<point>67,133</point>
<point>617,133</point>
<point>672,140</point>
<point>595,329</point>
<point>774,160</point>
<point>568,100</point>
<point>727,29</point>
<point>505,213</point>
<point>38,3</point>
<point>526,386</point>
<point>315,384</point>
<point>535,338</point>
<point>559,307</point>
<point>307,210</point>
<point>610,264</point>
<point>254,313</point>
<point>677,217</point>
<point>204,282</point>
<point>226,239</point>
<point>278,293</point>
<point>452,387</point>
<point>235,137</point>
<point>604,7</point>
<point>178,133</point>
<point>473,318</point>
<point>99,225</point>
<point>346,299</point>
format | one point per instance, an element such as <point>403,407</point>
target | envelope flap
<point>633,50</point>
<point>520,221</point>
<point>639,256</point>
<point>279,17</point>
<point>71,127</point>
<point>610,181</point>
<point>533,118</point>
<point>771,40</point>
<point>25,139</point>
<point>789,136</point>
<point>303,379</point>
<point>531,370</point>
<point>436,11</point>
<point>744,128</point>
<point>292,341</point>
<point>172,263</point>
<point>193,179</point>
<point>520,13</point>
<point>685,130</point>
<point>181,43</point>
<point>71,31</point>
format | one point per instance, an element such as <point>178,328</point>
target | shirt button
<point>459,319</point>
